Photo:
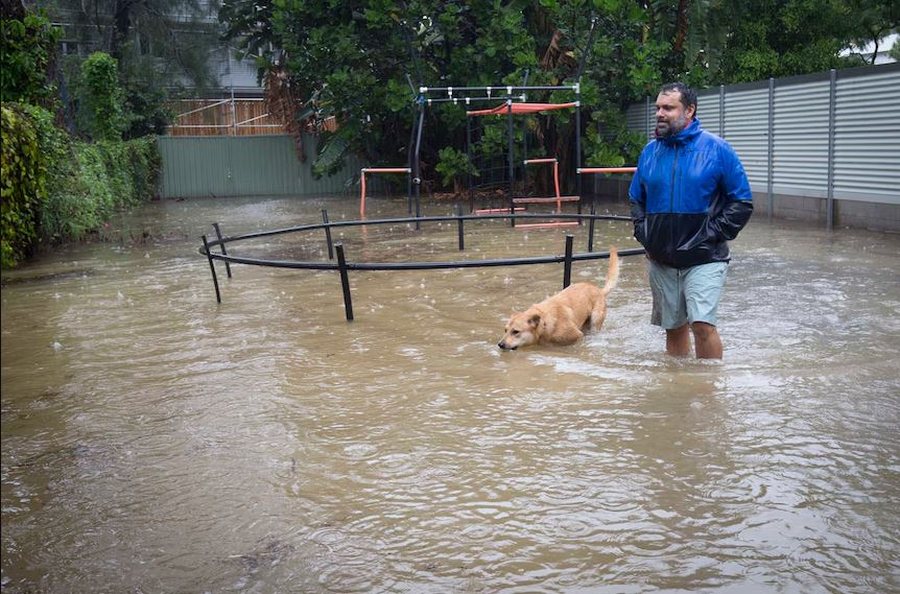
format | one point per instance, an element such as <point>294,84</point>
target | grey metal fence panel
<point>801,139</point>
<point>194,167</point>
<point>867,138</point>
<point>708,110</point>
<point>638,120</point>
<point>203,166</point>
<point>746,129</point>
<point>865,161</point>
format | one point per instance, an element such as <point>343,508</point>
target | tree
<point>28,55</point>
<point>776,38</point>
<point>161,47</point>
<point>872,21</point>
<point>359,61</point>
<point>100,98</point>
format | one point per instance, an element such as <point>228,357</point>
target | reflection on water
<point>154,441</point>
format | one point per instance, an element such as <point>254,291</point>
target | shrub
<point>55,189</point>
<point>100,102</point>
<point>453,166</point>
<point>57,154</point>
<point>22,188</point>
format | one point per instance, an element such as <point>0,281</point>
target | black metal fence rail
<point>343,266</point>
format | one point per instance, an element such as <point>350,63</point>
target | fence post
<point>212,268</point>
<point>590,245</point>
<point>647,112</point>
<point>345,281</point>
<point>832,113</point>
<point>224,253</point>
<point>328,234</point>
<point>771,156</point>
<point>459,228</point>
<point>567,263</point>
<point>511,172</point>
<point>722,111</point>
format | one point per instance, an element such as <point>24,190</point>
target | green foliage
<point>144,98</point>
<point>28,50</point>
<point>454,166</point>
<point>22,185</point>
<point>100,102</point>
<point>351,59</point>
<point>895,52</point>
<point>330,155</point>
<point>610,143</point>
<point>58,160</point>
<point>56,189</point>
<point>104,177</point>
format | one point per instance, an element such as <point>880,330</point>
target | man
<point>689,196</point>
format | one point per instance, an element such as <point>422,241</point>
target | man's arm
<point>638,198</point>
<point>738,197</point>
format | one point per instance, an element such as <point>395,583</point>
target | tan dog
<point>561,319</point>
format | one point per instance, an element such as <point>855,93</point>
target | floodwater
<point>156,441</point>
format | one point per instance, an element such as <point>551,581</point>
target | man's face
<point>671,116</point>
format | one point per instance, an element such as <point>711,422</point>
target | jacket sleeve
<point>638,199</point>
<point>738,199</point>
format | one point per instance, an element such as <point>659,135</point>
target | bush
<point>107,177</point>
<point>22,188</point>
<point>55,189</point>
<point>100,101</point>
<point>454,166</point>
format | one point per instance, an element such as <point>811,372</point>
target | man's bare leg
<point>678,341</point>
<point>707,341</point>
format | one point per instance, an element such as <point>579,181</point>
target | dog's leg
<point>598,315</point>
<point>566,334</point>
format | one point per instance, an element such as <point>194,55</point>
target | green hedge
<point>22,185</point>
<point>56,189</point>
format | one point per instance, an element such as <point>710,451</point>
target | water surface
<point>156,441</point>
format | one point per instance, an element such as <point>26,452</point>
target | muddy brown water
<point>156,441</point>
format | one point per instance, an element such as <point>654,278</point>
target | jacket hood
<point>692,131</point>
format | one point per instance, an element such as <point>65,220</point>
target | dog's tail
<point>612,275</point>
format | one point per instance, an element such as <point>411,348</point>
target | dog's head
<point>522,329</point>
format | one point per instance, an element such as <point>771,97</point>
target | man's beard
<point>667,130</point>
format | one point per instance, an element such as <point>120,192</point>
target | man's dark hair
<point>688,95</point>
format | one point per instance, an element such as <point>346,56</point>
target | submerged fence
<point>343,266</point>
<point>833,135</point>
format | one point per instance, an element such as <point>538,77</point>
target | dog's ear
<point>534,320</point>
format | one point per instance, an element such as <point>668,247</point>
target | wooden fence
<point>222,117</point>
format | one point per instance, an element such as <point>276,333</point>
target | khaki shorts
<point>688,295</point>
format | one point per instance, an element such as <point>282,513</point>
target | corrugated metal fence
<point>202,166</point>
<point>834,135</point>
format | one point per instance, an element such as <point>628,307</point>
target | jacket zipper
<point>672,193</point>
<point>672,204</point>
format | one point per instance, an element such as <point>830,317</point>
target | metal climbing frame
<point>512,101</point>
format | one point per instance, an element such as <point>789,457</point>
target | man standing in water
<point>689,196</point>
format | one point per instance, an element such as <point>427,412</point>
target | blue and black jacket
<point>689,196</point>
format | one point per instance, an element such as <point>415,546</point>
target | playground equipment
<point>362,182</point>
<point>510,109</point>
<point>558,198</point>
<point>513,100</point>
<point>582,170</point>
